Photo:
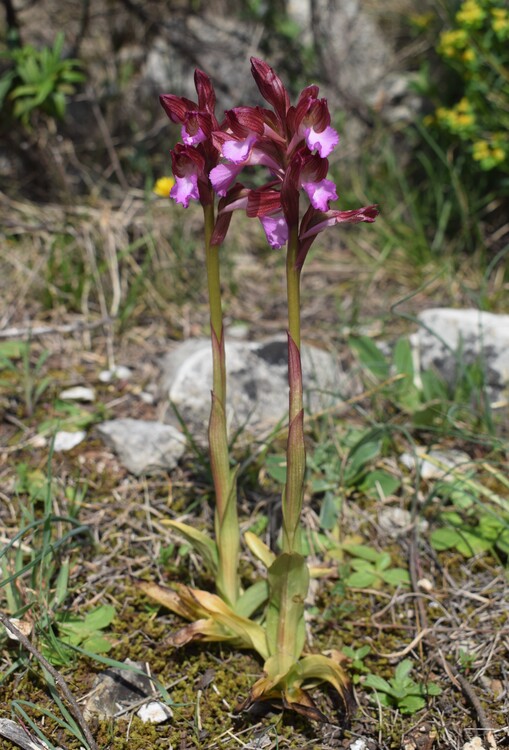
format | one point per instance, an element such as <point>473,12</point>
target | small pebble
<point>119,372</point>
<point>425,585</point>
<point>78,393</point>
<point>66,441</point>
<point>154,712</point>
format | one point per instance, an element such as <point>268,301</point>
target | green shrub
<point>473,110</point>
<point>38,81</point>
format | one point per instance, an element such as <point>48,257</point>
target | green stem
<point>226,519</point>
<point>295,454</point>
<point>215,307</point>
<point>293,287</point>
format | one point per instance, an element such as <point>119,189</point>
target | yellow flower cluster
<point>489,155</point>
<point>163,186</point>
<point>459,119</point>
<point>500,22</point>
<point>422,20</point>
<point>470,14</point>
<point>452,42</point>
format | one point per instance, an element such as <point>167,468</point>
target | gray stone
<point>449,339</point>
<point>143,447</point>
<point>116,691</point>
<point>257,382</point>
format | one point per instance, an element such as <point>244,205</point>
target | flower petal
<point>185,189</point>
<point>324,142</point>
<point>320,193</point>
<point>238,151</point>
<point>223,176</point>
<point>193,139</point>
<point>326,219</point>
<point>276,230</point>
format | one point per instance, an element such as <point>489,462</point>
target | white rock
<point>257,382</point>
<point>449,339</point>
<point>435,464</point>
<point>78,393</point>
<point>358,744</point>
<point>66,441</point>
<point>119,372</point>
<point>154,712</point>
<point>143,446</point>
<point>396,521</point>
<point>474,744</point>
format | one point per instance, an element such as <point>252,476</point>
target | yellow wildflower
<point>463,120</point>
<point>463,105</point>
<point>500,25</point>
<point>469,55</point>
<point>498,154</point>
<point>481,150</point>
<point>452,41</point>
<point>470,13</point>
<point>422,20</point>
<point>163,186</point>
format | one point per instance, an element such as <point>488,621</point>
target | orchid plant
<point>292,143</point>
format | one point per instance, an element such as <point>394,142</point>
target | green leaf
<point>276,468</point>
<point>259,549</point>
<point>402,358</point>
<point>362,551</point>
<point>358,459</point>
<point>5,86</point>
<point>362,579</point>
<point>58,101</point>
<point>205,546</point>
<point>410,704</point>
<point>329,510</point>
<point>100,618</point>
<point>288,580</point>
<point>379,482</point>
<point>396,577</point>
<point>377,683</point>
<point>383,562</point>
<point>370,356</point>
<point>252,599</point>
<point>96,644</point>
<point>403,670</point>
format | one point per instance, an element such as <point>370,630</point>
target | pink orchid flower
<point>292,142</point>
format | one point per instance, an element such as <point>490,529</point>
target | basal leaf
<point>252,599</point>
<point>204,546</point>
<point>396,577</point>
<point>97,644</point>
<point>370,356</point>
<point>362,579</point>
<point>286,633</point>
<point>100,618</point>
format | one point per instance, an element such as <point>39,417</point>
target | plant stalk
<point>226,518</point>
<point>295,454</point>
